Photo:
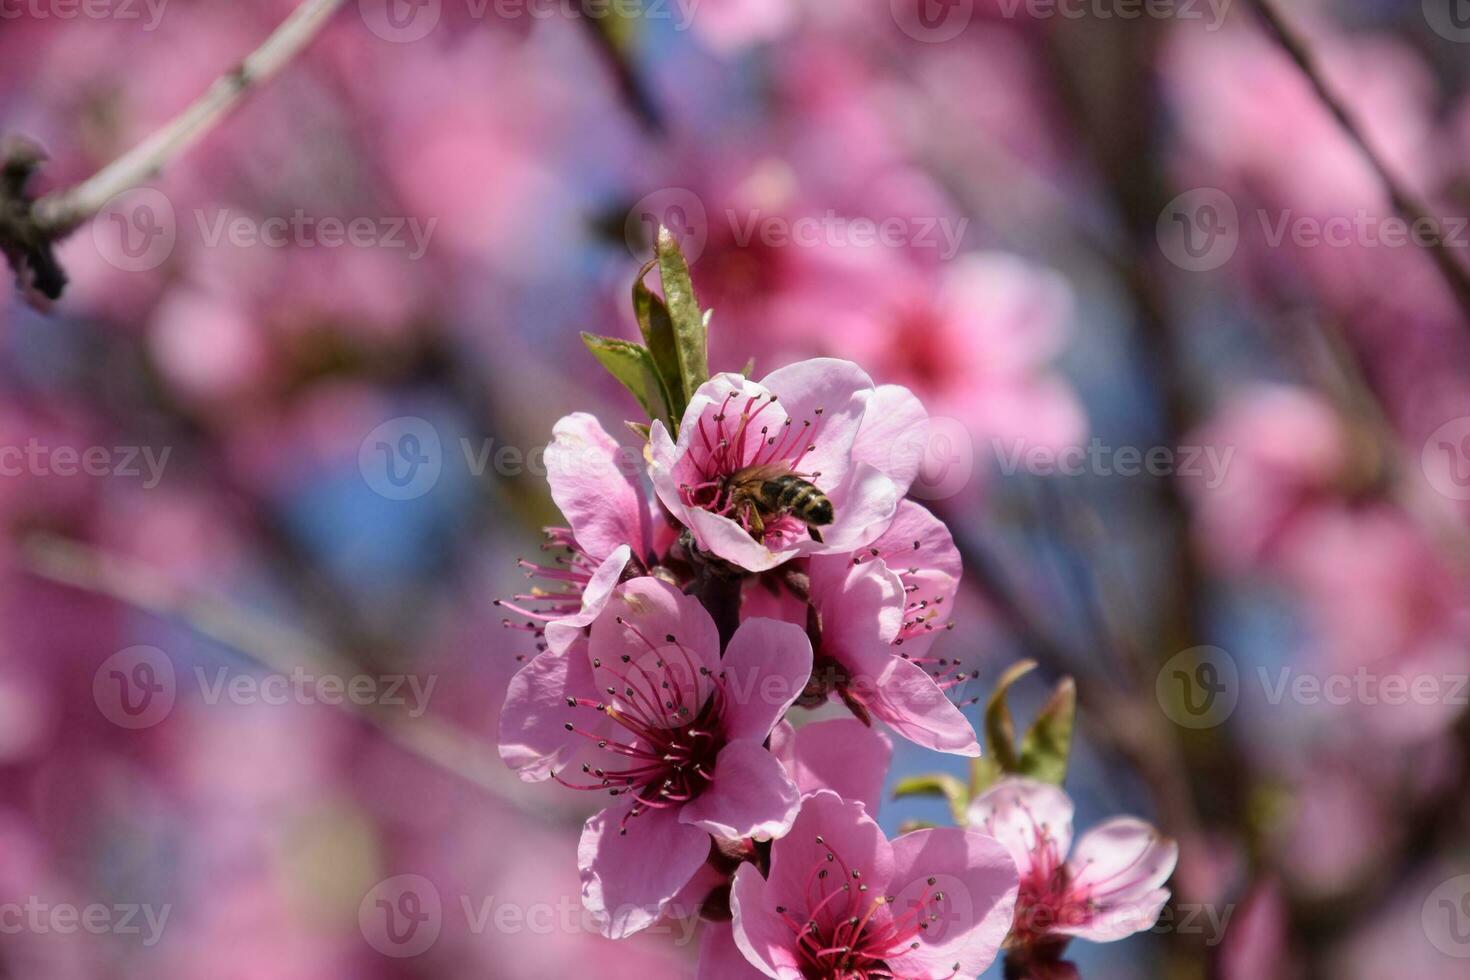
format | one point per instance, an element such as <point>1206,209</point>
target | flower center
<point>739,447</point>
<point>671,714</point>
<point>1046,898</point>
<point>846,933</point>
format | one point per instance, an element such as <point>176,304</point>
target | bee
<point>767,490</point>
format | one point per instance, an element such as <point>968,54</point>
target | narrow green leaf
<point>749,368</point>
<point>631,364</point>
<point>691,331</point>
<point>658,334</point>
<point>639,428</point>
<point>1000,730</point>
<point>937,785</point>
<point>1048,741</point>
<point>984,773</point>
<point>909,826</point>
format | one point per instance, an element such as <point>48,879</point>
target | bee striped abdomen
<point>798,497</point>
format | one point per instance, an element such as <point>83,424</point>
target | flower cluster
<point>758,556</point>
<point>761,556</point>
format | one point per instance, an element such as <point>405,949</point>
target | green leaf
<point>1048,742</point>
<point>691,331</point>
<point>658,334</point>
<point>1000,730</point>
<point>909,826</point>
<point>631,364</point>
<point>639,428</point>
<point>937,785</point>
<point>984,773</point>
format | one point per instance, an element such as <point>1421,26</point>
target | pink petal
<point>864,506</point>
<point>861,608</point>
<point>593,484</point>
<point>723,537</point>
<point>920,549</point>
<point>759,602</point>
<point>533,735</point>
<point>720,958</point>
<point>1017,812</point>
<point>767,665</point>
<point>842,755</point>
<point>629,878</point>
<point>760,934</point>
<point>844,828</point>
<point>640,617</point>
<point>979,882</point>
<point>914,706</point>
<point>750,796</point>
<point>562,633</point>
<point>1121,865</point>
<point>840,390</point>
<point>894,435</point>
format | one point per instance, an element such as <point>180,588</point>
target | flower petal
<point>864,506</point>
<point>596,487</point>
<point>629,878</point>
<point>894,435</point>
<point>841,754</point>
<point>751,795</point>
<point>914,706</point>
<point>827,825</point>
<point>766,666</point>
<point>978,881</point>
<point>1018,812</point>
<point>720,958</point>
<point>760,934</point>
<point>832,394</point>
<point>1121,865</point>
<point>533,736</point>
<point>561,633</point>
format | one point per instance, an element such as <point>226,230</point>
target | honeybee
<point>771,489</point>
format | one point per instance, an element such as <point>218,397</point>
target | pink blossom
<point>840,754</point>
<point>1111,886</point>
<point>648,711</point>
<point>611,529</point>
<point>842,901</point>
<point>880,611</point>
<point>812,418</point>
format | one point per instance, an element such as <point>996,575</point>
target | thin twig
<point>61,212</point>
<point>1408,203</point>
<point>274,646</point>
